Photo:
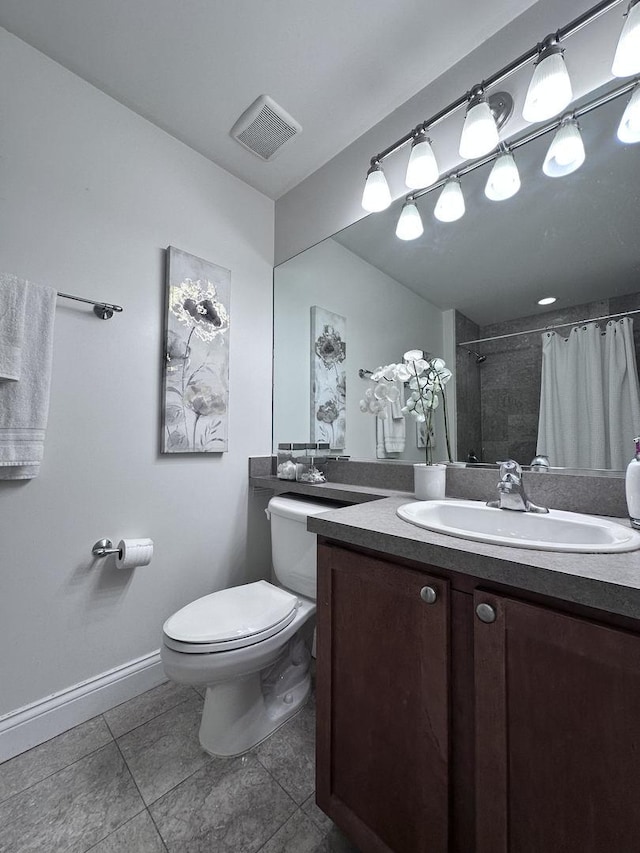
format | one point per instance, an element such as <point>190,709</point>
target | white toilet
<point>247,643</point>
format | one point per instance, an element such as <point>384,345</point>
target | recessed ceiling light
<point>548,300</point>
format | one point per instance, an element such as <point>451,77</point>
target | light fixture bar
<point>504,72</point>
<point>514,144</point>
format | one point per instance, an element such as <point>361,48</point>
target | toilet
<point>249,645</point>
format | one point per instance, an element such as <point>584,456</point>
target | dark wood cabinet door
<point>383,703</point>
<point>557,732</point>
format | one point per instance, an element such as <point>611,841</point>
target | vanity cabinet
<point>452,719</point>
<point>557,731</point>
<point>383,702</point>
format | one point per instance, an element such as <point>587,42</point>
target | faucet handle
<point>510,466</point>
<point>540,463</point>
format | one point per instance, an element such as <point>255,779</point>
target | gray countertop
<point>347,492</point>
<point>609,582</point>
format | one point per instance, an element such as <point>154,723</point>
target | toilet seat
<point>230,619</point>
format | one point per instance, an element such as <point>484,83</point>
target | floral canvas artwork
<point>328,377</point>
<point>196,373</point>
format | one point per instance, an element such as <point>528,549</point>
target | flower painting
<point>328,377</point>
<point>196,370</point>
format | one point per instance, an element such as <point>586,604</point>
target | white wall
<point>90,197</point>
<point>384,320</point>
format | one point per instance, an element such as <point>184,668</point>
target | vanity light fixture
<point>450,205</point>
<point>549,92</point>
<point>504,179</point>
<point>629,127</point>
<point>550,89</point>
<point>547,300</point>
<point>480,131</point>
<point>422,168</point>
<point>376,195</point>
<point>626,61</point>
<point>566,153</point>
<point>409,225</point>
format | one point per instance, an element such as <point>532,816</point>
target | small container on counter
<point>285,466</point>
<point>321,456</point>
<point>305,456</point>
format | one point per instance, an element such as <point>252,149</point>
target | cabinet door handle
<point>428,594</point>
<point>486,613</point>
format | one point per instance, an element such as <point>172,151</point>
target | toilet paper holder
<point>104,547</point>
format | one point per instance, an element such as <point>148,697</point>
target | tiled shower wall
<point>467,391</point>
<point>499,400</point>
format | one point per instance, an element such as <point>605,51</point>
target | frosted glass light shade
<point>504,178</point>
<point>566,152</point>
<point>450,205</point>
<point>629,127</point>
<point>376,195</point>
<point>479,132</point>
<point>550,87</point>
<point>626,61</point>
<point>409,225</point>
<point>422,168</point>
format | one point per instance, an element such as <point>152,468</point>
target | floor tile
<point>123,718</point>
<point>289,754</point>
<point>232,805</point>
<point>139,835</point>
<point>73,809</point>
<point>33,766</point>
<point>166,750</point>
<point>316,814</point>
<point>298,835</point>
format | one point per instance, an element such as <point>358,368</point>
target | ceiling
<point>573,237</point>
<point>192,67</point>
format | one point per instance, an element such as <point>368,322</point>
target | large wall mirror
<point>468,291</point>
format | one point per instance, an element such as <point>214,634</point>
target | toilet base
<point>241,713</point>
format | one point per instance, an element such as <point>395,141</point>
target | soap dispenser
<point>632,487</point>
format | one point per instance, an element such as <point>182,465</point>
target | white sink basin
<point>555,531</point>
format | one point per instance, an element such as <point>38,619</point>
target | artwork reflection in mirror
<point>573,238</point>
<point>328,377</point>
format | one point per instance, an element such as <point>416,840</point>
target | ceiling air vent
<point>265,128</point>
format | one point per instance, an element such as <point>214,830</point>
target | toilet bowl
<point>249,645</point>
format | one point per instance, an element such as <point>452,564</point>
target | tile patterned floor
<point>135,780</point>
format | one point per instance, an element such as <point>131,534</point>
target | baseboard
<point>33,724</point>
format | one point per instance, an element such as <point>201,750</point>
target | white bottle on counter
<point>632,487</point>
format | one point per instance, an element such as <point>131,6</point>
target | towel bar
<point>104,310</point>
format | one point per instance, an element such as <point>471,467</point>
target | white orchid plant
<point>426,379</point>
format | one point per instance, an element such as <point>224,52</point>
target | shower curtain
<point>589,397</point>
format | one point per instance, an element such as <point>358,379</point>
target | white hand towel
<point>12,301</point>
<point>24,405</point>
<point>394,431</point>
<point>395,425</point>
<point>391,431</point>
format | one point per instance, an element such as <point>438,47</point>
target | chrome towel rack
<point>103,310</point>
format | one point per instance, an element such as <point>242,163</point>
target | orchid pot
<point>429,481</point>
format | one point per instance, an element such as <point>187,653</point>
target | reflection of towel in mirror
<point>24,405</point>
<point>12,301</point>
<point>391,431</point>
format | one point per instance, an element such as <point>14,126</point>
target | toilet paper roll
<point>134,552</point>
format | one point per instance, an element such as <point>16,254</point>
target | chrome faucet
<point>511,493</point>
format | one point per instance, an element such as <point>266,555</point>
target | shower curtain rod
<point>104,310</point>
<point>548,328</point>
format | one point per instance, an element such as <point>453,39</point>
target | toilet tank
<point>293,548</point>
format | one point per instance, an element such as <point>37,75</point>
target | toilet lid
<point>231,618</point>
